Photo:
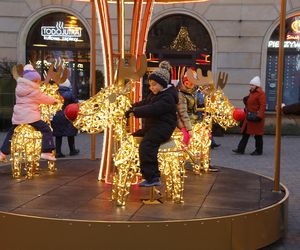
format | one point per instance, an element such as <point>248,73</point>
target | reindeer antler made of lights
<point>132,71</point>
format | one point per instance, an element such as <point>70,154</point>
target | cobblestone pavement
<point>264,165</point>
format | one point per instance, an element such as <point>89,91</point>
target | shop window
<point>291,84</point>
<point>183,41</point>
<point>61,38</point>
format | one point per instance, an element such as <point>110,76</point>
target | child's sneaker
<point>2,157</point>
<point>152,183</point>
<point>48,156</point>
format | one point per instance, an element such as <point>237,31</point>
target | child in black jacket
<point>159,111</point>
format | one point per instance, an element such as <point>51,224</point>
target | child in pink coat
<point>27,111</point>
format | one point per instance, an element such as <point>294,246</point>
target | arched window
<point>180,39</point>
<point>61,38</point>
<point>183,41</point>
<point>291,84</point>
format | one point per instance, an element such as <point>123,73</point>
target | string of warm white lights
<point>217,110</point>
<point>26,142</point>
<point>107,109</point>
<point>48,111</point>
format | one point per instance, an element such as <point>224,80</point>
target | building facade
<point>239,37</point>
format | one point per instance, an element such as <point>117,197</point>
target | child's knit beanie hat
<point>162,74</point>
<point>30,73</point>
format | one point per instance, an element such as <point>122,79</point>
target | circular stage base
<point>70,209</point>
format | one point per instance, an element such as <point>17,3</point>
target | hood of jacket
<point>25,87</point>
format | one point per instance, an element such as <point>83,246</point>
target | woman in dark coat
<point>61,125</point>
<point>255,102</point>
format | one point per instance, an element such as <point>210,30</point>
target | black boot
<point>214,145</point>
<point>74,152</point>
<point>256,153</point>
<point>58,142</point>
<point>71,142</point>
<point>237,151</point>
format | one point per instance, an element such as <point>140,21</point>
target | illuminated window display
<point>183,41</point>
<point>180,39</point>
<point>61,38</point>
<point>291,84</point>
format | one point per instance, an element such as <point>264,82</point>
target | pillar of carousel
<point>141,16</point>
<point>139,28</point>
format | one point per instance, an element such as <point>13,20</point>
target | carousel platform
<point>70,209</point>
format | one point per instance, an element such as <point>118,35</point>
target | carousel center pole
<point>102,11</point>
<point>136,50</point>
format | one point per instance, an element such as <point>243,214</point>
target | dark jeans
<point>258,143</point>
<point>148,151</point>
<point>58,143</point>
<point>43,127</point>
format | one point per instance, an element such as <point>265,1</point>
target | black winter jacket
<point>158,110</point>
<point>60,124</point>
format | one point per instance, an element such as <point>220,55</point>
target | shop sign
<point>296,26</point>
<point>60,32</point>
<point>287,44</point>
<point>294,34</point>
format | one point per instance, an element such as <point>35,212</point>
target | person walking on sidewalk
<point>253,124</point>
<point>61,125</point>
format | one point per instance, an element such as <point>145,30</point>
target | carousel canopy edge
<point>156,1</point>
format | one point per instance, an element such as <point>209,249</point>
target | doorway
<point>60,38</point>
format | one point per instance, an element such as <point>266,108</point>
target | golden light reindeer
<point>26,141</point>
<point>106,110</point>
<point>113,102</point>
<point>217,109</point>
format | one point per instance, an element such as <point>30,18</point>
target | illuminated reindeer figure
<point>26,141</point>
<point>106,110</point>
<point>217,109</point>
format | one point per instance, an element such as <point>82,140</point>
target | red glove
<point>186,137</point>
